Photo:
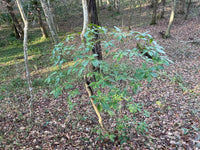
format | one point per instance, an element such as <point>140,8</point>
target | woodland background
<point>167,109</point>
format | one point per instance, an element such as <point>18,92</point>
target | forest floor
<point>173,100</point>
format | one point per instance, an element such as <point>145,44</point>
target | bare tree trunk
<point>40,22</point>
<point>101,2</point>
<point>154,15</point>
<point>140,3</point>
<point>55,16</point>
<point>163,9</point>
<point>17,35</point>
<point>167,33</point>
<point>89,13</point>
<point>98,4</point>
<point>25,45</point>
<point>130,14</point>
<point>85,18</point>
<point>118,5</point>
<point>188,10</point>
<point>182,7</point>
<point>49,19</point>
<point>109,4</point>
<point>18,27</point>
<point>93,19</point>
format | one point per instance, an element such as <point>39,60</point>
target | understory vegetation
<point>143,94</point>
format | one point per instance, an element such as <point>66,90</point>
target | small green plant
<point>177,79</point>
<point>18,82</point>
<point>117,80</point>
<point>142,127</point>
<point>38,82</point>
<point>5,17</point>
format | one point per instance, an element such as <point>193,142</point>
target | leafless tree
<point>49,18</point>
<point>167,33</point>
<point>25,45</point>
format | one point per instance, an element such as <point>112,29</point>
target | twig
<point>197,41</point>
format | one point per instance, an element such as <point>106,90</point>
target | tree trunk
<point>85,18</point>
<point>154,15</point>
<point>93,19</point>
<point>130,14</point>
<point>25,45</point>
<point>40,22</point>
<point>49,19</point>
<point>117,5</point>
<point>188,10</point>
<point>163,9</point>
<point>109,4</point>
<point>182,7</point>
<point>101,3</point>
<point>17,35</point>
<point>140,3</point>
<point>98,4</point>
<point>167,33</point>
<point>18,27</point>
<point>89,13</point>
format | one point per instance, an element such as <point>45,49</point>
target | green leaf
<point>150,41</point>
<point>68,71</point>
<point>112,80</point>
<point>85,63</point>
<point>80,71</point>
<point>160,51</point>
<point>106,84</point>
<point>160,67</point>
<point>153,68</point>
<point>2,97</point>
<point>68,86</point>
<point>99,107</point>
<point>131,54</point>
<point>153,74</point>
<point>95,62</point>
<point>56,92</point>
<point>71,104</point>
<point>146,113</point>
<point>111,137</point>
<point>166,62</point>
<point>117,29</point>
<point>111,113</point>
<point>75,92</point>
<point>195,128</point>
<point>119,38</point>
<point>105,105</point>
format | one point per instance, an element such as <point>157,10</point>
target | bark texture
<point>40,22</point>
<point>154,15</point>
<point>93,19</point>
<point>167,33</point>
<point>25,45</point>
<point>117,5</point>
<point>90,13</point>
<point>182,7</point>
<point>85,18</point>
<point>17,35</point>
<point>17,27</point>
<point>188,10</point>
<point>163,9</point>
<point>49,18</point>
